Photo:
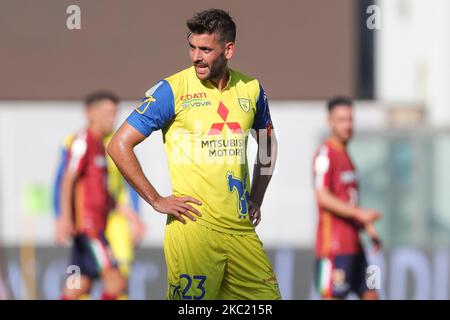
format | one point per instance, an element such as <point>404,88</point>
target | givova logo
<point>195,100</point>
<point>240,186</point>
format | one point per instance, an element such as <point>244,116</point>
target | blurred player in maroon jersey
<point>340,260</point>
<point>85,202</point>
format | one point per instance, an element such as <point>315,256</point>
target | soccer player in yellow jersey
<point>205,113</point>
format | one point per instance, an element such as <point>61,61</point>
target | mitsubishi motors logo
<point>217,128</point>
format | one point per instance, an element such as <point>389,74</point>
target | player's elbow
<point>110,149</point>
<point>321,196</point>
<point>113,147</point>
<point>67,183</point>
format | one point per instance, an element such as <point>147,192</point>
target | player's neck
<point>96,132</point>
<point>336,140</point>
<point>222,81</point>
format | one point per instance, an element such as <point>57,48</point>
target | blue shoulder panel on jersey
<point>156,111</point>
<point>262,118</point>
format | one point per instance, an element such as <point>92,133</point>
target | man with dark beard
<point>215,253</point>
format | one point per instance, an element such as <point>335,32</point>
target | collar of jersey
<point>335,144</point>
<point>209,84</point>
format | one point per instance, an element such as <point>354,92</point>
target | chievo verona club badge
<point>245,104</point>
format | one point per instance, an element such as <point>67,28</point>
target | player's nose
<point>197,56</point>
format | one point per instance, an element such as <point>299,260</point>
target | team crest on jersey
<point>245,104</point>
<point>240,186</point>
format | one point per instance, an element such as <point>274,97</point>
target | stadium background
<point>303,52</point>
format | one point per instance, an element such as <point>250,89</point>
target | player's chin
<point>202,74</point>
<point>346,136</point>
<point>202,77</point>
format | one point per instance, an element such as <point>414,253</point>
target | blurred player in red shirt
<point>85,203</point>
<point>340,260</point>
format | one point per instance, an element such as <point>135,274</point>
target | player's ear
<point>329,119</point>
<point>87,112</point>
<point>90,112</point>
<point>229,50</point>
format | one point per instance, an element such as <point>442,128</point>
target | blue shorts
<point>92,255</point>
<point>339,275</point>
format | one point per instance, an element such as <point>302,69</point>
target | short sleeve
<point>156,110</point>
<point>262,117</point>
<point>76,158</point>
<point>322,169</point>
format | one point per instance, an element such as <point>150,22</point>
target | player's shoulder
<point>169,86</point>
<point>241,78</point>
<point>73,136</point>
<point>331,149</point>
<point>77,141</point>
<point>322,149</point>
<point>176,80</point>
<point>322,158</point>
<point>335,147</point>
<point>326,149</point>
<point>68,140</point>
<point>160,88</point>
<point>246,82</point>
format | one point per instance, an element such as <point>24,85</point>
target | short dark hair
<point>213,21</point>
<point>97,96</point>
<point>339,101</point>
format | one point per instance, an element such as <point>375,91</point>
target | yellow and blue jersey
<point>205,133</point>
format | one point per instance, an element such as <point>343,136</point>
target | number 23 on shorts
<point>196,283</point>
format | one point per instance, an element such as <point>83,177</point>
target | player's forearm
<point>67,188</point>
<point>126,161</point>
<point>335,205</point>
<point>259,185</point>
<point>371,231</point>
<point>263,170</point>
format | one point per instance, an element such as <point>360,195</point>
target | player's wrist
<point>256,198</point>
<point>154,200</point>
<point>255,202</point>
<point>357,215</point>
